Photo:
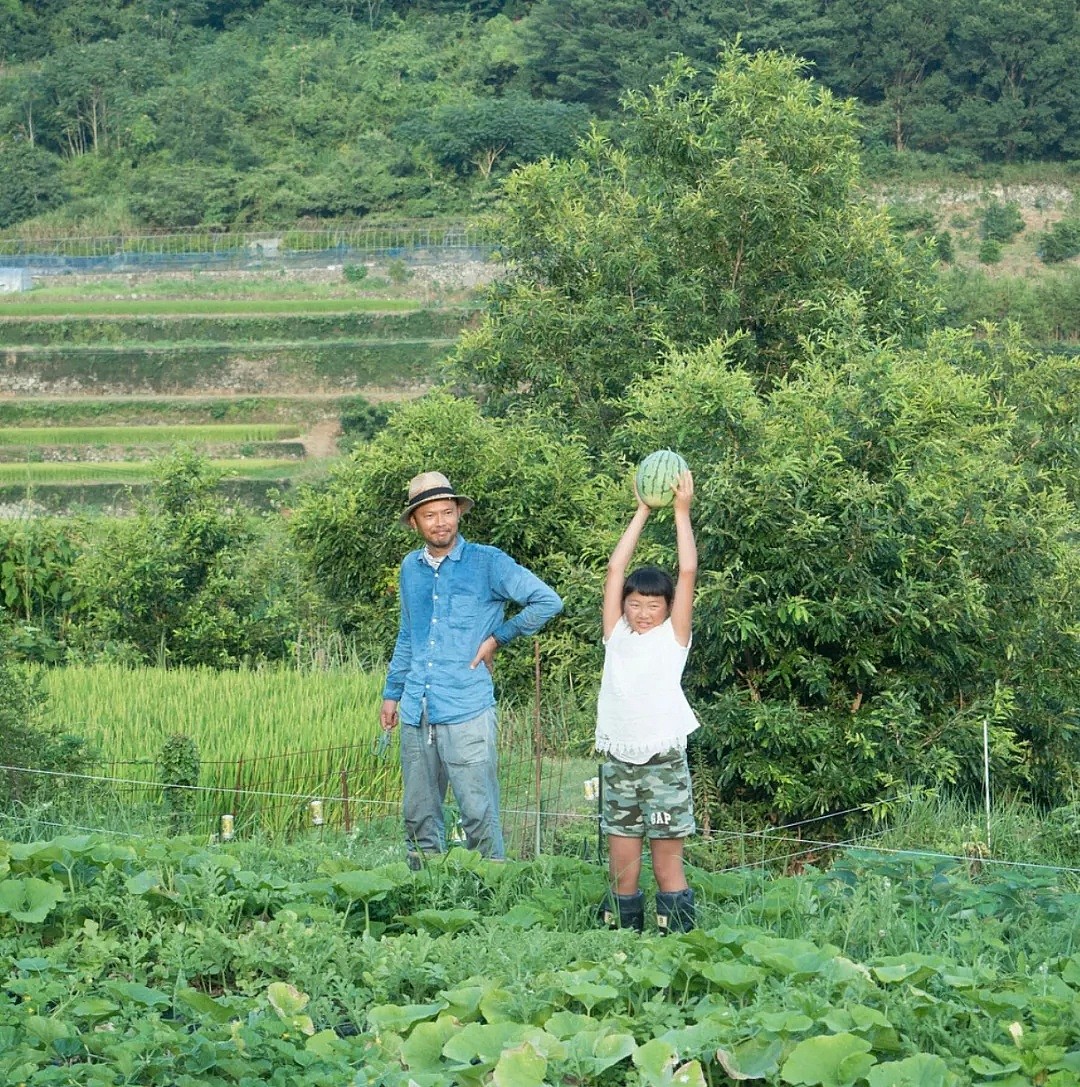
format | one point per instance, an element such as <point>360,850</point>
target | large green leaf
<point>520,1066</point>
<point>832,1060</point>
<point>919,1070</point>
<point>28,898</point>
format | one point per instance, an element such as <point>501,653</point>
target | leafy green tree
<point>30,182</point>
<point>40,597</point>
<point>1022,87</point>
<point>728,203</point>
<point>187,580</point>
<point>26,741</point>
<point>591,53</point>
<point>893,56</point>
<point>474,136</point>
<point>883,575</point>
<point>534,498</point>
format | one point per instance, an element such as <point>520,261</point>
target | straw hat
<point>430,487</point>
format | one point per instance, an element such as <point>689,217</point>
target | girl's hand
<point>642,505</point>
<point>684,491</point>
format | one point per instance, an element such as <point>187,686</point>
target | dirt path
<point>321,439</point>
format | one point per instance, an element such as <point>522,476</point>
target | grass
<point>126,307</point>
<point>148,410</point>
<point>134,471</point>
<point>270,739</point>
<point>148,435</point>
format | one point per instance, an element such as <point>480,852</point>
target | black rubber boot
<point>623,911</point>
<point>675,911</point>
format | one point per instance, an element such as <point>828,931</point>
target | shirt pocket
<point>464,612</point>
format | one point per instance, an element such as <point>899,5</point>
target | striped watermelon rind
<point>656,475</point>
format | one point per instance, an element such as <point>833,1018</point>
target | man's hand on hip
<point>486,653</point>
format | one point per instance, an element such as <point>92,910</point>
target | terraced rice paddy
<point>98,380</point>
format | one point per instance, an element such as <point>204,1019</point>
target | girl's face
<point>644,612</point>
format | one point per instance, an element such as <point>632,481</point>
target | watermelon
<point>657,475</point>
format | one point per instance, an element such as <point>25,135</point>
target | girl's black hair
<point>650,581</point>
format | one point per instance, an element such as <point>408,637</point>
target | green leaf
<point>29,899</point>
<point>46,1030</point>
<point>832,1060</point>
<point>422,1051</point>
<point>453,920</point>
<point>734,977</point>
<point>485,1041</point>
<point>399,1017</point>
<point>205,1005</point>
<point>92,1007</point>
<point>286,999</point>
<point>599,1048</point>
<point>919,1070</point>
<point>137,994</point>
<point>526,915</point>
<point>983,1066</point>
<point>363,886</point>
<point>143,882</point>
<point>758,1058</point>
<point>654,1060</point>
<point>520,1066</point>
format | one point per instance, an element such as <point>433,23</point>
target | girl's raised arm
<point>682,607</point>
<point>618,563</point>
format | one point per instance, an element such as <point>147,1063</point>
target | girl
<point>643,720</point>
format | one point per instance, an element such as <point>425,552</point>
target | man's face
<point>437,523</point>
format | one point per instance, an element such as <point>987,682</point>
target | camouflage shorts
<point>648,801</point>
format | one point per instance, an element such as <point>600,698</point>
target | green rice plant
<point>165,434</point>
<point>334,365</point>
<point>226,328</point>
<point>123,307</point>
<point>269,741</point>
<point>124,471</point>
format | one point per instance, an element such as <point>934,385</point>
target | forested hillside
<point>125,113</point>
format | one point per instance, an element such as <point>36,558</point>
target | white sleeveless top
<point>642,711</point>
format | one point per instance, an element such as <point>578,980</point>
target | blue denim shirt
<point>445,615</point>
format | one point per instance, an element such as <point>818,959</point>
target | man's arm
<point>537,600</point>
<point>398,669</point>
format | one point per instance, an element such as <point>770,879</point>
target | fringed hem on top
<point>637,753</point>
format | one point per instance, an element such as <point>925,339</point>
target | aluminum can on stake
<point>316,813</point>
<point>226,828</point>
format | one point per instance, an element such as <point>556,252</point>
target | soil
<point>321,439</point>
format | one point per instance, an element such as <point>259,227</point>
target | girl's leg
<point>667,862</point>
<point>674,899</point>
<point>624,864</point>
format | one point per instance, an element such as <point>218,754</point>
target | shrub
<point>880,578</point>
<point>1001,222</point>
<point>355,273</point>
<point>189,580</point>
<point>26,742</point>
<point>361,421</point>
<point>1060,242</point>
<point>990,251</point>
<point>178,770</point>
<point>534,499</point>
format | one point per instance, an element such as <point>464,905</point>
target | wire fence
<point>296,247</point>
<point>539,818</point>
<point>354,789</point>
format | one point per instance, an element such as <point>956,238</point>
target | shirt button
<point>435,597</point>
<point>429,664</point>
<point>434,621</point>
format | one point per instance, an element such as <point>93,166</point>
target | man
<point>453,599</point>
